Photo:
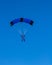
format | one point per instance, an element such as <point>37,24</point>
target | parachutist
<point>23,37</point>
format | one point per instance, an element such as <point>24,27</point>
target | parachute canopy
<point>21,20</point>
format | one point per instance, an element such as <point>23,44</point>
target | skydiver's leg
<point>23,40</point>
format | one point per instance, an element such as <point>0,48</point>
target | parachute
<point>21,20</point>
<point>24,20</point>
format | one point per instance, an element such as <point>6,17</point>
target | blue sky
<point>37,50</point>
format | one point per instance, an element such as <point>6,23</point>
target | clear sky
<point>37,50</point>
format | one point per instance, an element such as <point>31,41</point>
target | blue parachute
<point>25,20</point>
<point>21,20</point>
